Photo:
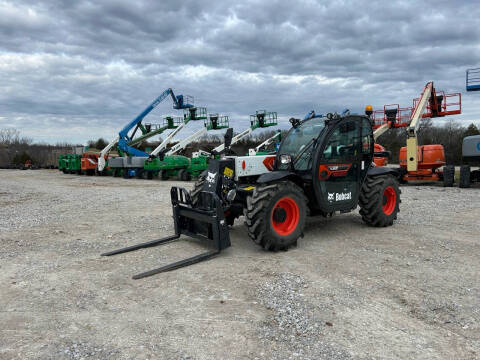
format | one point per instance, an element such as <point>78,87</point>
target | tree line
<point>16,149</point>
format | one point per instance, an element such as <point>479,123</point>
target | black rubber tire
<point>185,176</point>
<point>197,187</point>
<point>372,197</point>
<point>181,174</point>
<point>401,174</point>
<point>149,175</point>
<point>64,171</point>
<point>162,175</point>
<point>258,215</point>
<point>126,175</point>
<point>464,176</point>
<point>448,175</point>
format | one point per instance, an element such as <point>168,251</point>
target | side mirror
<point>228,137</point>
<point>295,122</point>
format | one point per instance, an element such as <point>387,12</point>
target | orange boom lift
<point>424,162</point>
<point>419,163</point>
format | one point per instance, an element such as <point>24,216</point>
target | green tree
<point>472,129</point>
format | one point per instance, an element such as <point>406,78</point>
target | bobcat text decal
<point>339,196</point>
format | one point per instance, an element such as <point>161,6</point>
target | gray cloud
<point>79,70</point>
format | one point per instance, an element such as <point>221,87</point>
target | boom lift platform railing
<point>399,117</point>
<point>216,122</point>
<point>473,79</point>
<point>263,119</point>
<point>440,104</point>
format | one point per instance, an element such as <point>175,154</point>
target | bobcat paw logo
<point>331,196</point>
<point>211,177</point>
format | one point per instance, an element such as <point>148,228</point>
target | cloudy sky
<point>78,70</point>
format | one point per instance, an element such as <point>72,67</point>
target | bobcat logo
<point>331,196</point>
<point>211,177</point>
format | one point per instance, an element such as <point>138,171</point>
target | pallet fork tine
<point>206,222</point>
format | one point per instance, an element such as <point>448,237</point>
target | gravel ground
<point>346,292</point>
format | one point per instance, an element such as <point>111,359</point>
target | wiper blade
<point>303,150</point>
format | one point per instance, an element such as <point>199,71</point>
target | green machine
<point>165,164</point>
<point>73,164</point>
<point>261,119</point>
<point>62,163</point>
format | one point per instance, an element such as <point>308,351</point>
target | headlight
<point>285,159</point>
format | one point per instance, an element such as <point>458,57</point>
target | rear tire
<point>380,200</point>
<point>275,215</point>
<point>464,176</point>
<point>162,174</point>
<point>180,174</point>
<point>448,175</point>
<point>184,175</point>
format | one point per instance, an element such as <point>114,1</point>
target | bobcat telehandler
<point>323,166</point>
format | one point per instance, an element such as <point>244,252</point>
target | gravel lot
<point>347,291</point>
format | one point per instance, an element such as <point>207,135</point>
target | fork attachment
<point>205,221</point>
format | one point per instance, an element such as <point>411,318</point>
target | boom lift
<point>261,119</point>
<point>322,166</point>
<point>167,164</point>
<point>170,165</point>
<point>124,140</point>
<point>423,162</point>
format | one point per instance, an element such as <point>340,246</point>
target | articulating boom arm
<point>124,138</point>
<point>105,151</point>
<point>265,143</point>
<point>412,144</point>
<point>381,130</point>
<point>184,143</point>
<point>165,142</point>
<point>235,139</point>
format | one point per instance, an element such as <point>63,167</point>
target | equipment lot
<point>347,290</point>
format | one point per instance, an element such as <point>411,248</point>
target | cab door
<point>339,165</point>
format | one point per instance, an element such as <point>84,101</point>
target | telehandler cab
<point>323,166</point>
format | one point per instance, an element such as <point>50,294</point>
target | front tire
<point>275,215</point>
<point>380,200</point>
<point>197,187</point>
<point>464,176</point>
<point>448,175</point>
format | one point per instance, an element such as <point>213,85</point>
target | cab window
<point>343,143</point>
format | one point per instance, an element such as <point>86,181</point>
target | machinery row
<point>165,161</point>
<point>417,163</point>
